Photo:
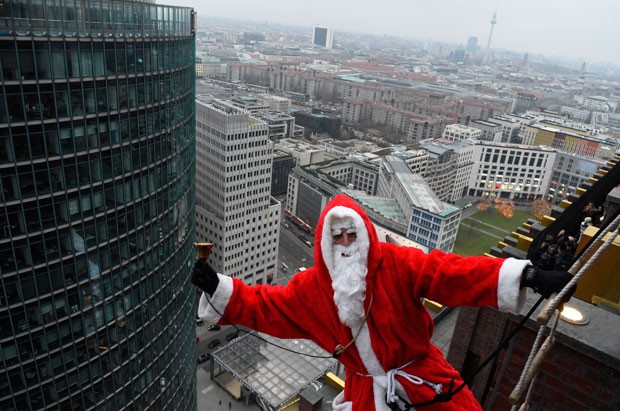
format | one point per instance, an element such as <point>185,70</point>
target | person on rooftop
<point>362,302</point>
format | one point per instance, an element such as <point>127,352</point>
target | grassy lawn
<point>471,241</point>
<point>499,221</point>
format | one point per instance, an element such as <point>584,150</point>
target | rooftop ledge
<point>597,339</point>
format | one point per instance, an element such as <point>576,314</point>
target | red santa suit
<point>391,354</point>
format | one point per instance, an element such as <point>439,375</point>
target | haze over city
<point>561,28</point>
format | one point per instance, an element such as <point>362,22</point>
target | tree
<point>505,208</point>
<point>540,208</point>
<point>484,205</point>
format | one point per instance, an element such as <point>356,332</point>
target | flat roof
<point>274,374</point>
<point>387,207</point>
<point>420,193</point>
<point>353,79</point>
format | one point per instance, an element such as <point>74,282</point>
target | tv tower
<point>487,56</point>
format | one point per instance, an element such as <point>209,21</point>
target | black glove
<point>205,277</point>
<point>546,283</point>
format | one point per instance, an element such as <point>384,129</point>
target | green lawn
<point>470,240</point>
<point>498,220</point>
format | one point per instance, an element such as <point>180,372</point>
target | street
<point>293,252</point>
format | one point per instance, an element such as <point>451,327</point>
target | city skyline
<point>554,28</point>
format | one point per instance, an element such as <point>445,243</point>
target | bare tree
<point>540,208</point>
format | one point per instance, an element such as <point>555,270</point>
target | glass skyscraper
<point>97,205</point>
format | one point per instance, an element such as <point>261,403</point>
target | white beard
<point>349,283</point>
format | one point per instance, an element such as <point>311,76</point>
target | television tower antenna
<point>487,56</point>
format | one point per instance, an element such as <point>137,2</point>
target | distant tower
<point>323,37</point>
<point>472,44</point>
<point>487,56</point>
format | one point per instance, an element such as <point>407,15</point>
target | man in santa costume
<point>362,302</point>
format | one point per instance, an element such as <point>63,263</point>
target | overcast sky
<point>584,29</point>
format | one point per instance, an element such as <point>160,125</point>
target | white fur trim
<point>340,212</point>
<point>339,404</point>
<point>373,366</point>
<point>219,299</point>
<point>510,297</point>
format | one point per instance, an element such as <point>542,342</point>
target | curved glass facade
<point>97,148</point>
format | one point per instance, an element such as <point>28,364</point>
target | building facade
<point>511,171</point>
<point>234,207</point>
<point>430,222</point>
<point>323,37</point>
<point>458,132</point>
<point>97,170</point>
<point>283,163</point>
<point>570,171</point>
<point>441,169</point>
<point>491,131</point>
<point>510,128</point>
<point>311,187</point>
<point>569,140</point>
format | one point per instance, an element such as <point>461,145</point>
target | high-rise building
<point>323,37</point>
<point>234,207</point>
<point>97,206</point>
<point>472,44</point>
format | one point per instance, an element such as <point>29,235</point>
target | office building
<point>441,168</point>
<point>491,131</point>
<point>97,221</point>
<point>311,187</point>
<point>464,153</point>
<point>430,222</point>
<point>511,171</point>
<point>458,132</point>
<point>277,103</point>
<point>472,44</point>
<point>322,37</point>
<point>524,100</point>
<point>303,153</point>
<point>283,163</point>
<point>510,128</point>
<point>234,207</point>
<point>571,171</point>
<point>569,139</point>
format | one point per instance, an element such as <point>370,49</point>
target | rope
<point>528,396</point>
<point>528,363</point>
<point>342,348</point>
<point>558,299</point>
<point>551,334</point>
<point>560,296</point>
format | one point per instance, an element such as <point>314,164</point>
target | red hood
<point>374,248</point>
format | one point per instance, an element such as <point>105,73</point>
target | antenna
<point>487,56</point>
